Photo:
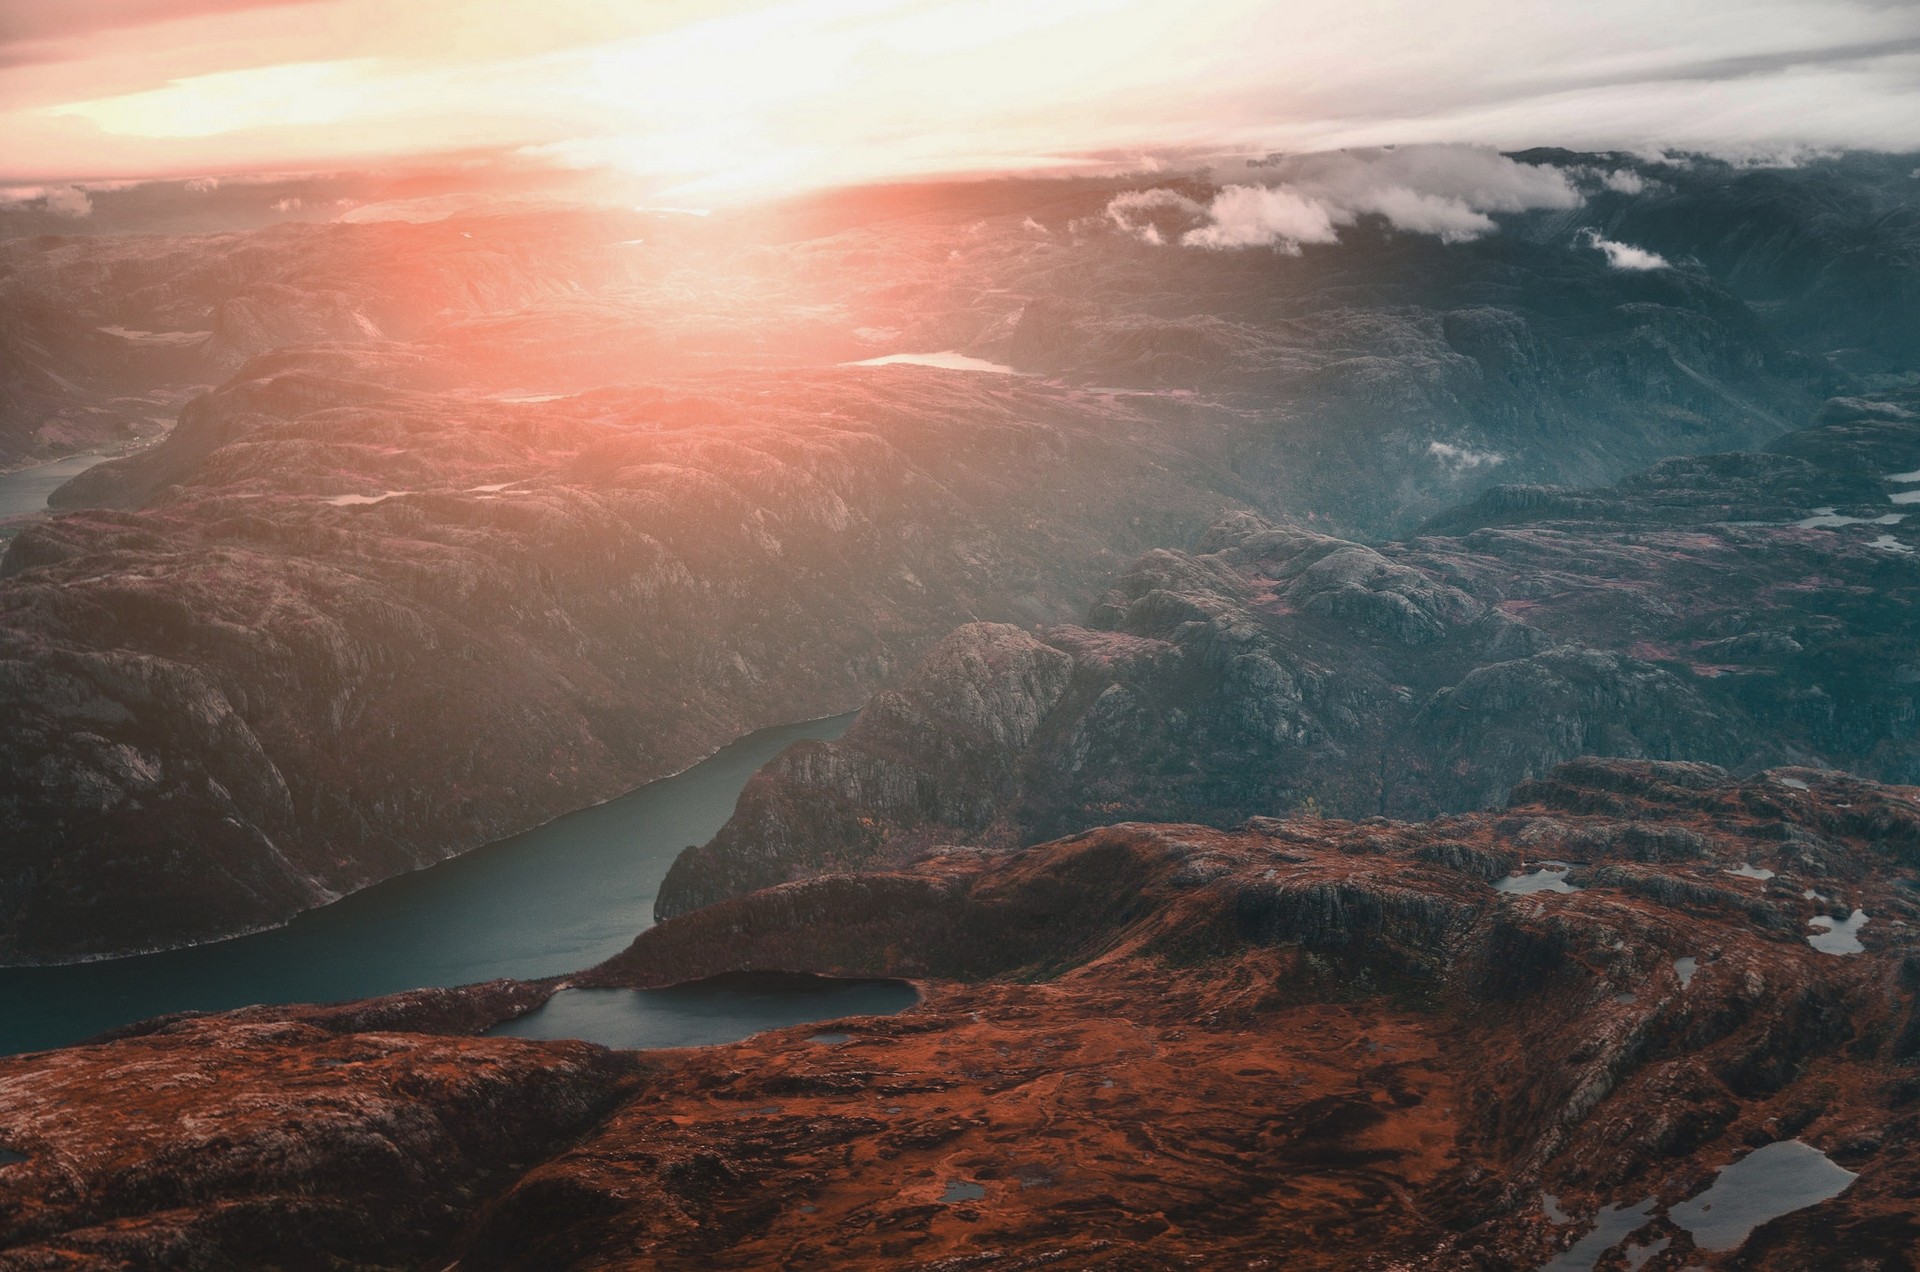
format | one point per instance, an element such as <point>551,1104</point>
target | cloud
<point>68,201</point>
<point>770,94</point>
<point>61,200</point>
<point>23,20</point>
<point>1449,192</point>
<point>1625,255</point>
<point>1463,458</point>
<point>1255,216</point>
<point>1150,215</point>
<point>1624,180</point>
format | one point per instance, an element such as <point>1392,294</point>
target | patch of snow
<point>1891,544</point>
<point>349,501</point>
<point>1746,871</point>
<point>132,336</point>
<point>947,361</point>
<point>1828,519</point>
<point>1905,497</point>
<point>1912,476</point>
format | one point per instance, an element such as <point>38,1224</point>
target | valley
<point>1384,748</point>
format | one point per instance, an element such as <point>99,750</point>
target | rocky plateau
<point>1302,1042</point>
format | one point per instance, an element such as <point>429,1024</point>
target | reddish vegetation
<point>1304,1044</point>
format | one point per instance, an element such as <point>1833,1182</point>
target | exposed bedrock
<point>355,629</point>
<point>1714,609</point>
<point>1142,1043</point>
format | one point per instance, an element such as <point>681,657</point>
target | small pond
<point>1550,877</point>
<point>703,1013</point>
<point>1765,1184</point>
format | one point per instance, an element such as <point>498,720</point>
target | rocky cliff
<point>357,628</point>
<point>499,515</point>
<point>1742,609</point>
<point>1302,1043</point>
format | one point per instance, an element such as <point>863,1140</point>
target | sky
<point>711,99</point>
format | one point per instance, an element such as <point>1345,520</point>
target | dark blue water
<point>25,492</point>
<point>556,899</point>
<point>701,1013</point>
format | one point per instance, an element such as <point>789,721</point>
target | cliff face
<point>497,516</point>
<point>1333,1043</point>
<point>1715,608</point>
<point>356,629</point>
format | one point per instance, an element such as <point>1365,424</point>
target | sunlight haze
<point>718,100</point>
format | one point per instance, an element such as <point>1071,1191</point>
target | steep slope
<point>1716,608</point>
<point>560,501</point>
<point>1303,1043</point>
<point>360,628</point>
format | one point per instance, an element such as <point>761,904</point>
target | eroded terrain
<point>1310,1042</point>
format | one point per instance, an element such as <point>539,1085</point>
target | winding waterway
<point>555,899</point>
<point>25,492</point>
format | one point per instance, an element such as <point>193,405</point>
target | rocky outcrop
<point>1274,667</point>
<point>377,550</point>
<point>1143,1044</point>
<point>939,754</point>
<point>217,709</point>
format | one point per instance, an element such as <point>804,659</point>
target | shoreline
<point>94,960</point>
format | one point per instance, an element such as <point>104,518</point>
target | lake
<point>555,899</point>
<point>700,1013</point>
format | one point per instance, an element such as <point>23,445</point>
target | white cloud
<point>1625,255</point>
<point>769,93</point>
<point>60,200</point>
<point>1256,216</point>
<point>1142,213</point>
<point>1463,458</point>
<point>1625,180</point>
<point>69,201</point>
<point>1449,192</point>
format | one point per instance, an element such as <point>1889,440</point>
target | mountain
<point>546,504</point>
<point>228,698</point>
<point>1746,609</point>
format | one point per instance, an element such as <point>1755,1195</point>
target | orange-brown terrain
<point>1305,1043</point>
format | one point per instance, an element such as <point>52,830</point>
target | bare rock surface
<point>1689,613</point>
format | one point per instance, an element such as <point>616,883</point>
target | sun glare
<point>294,95</point>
